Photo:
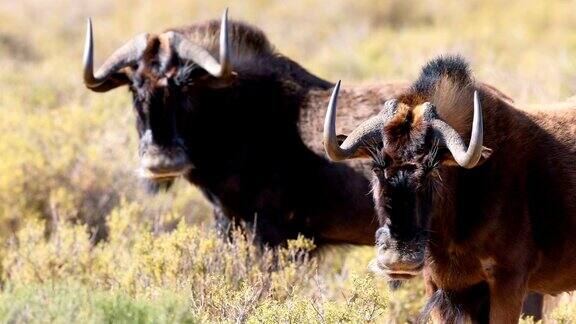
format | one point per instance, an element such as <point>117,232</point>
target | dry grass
<point>68,155</point>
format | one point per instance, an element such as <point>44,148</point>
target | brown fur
<point>508,223</point>
<point>356,103</point>
<point>247,43</point>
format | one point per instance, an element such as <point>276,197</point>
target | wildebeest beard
<point>154,187</point>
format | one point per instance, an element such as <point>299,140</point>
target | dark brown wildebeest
<point>245,128</point>
<point>488,221</point>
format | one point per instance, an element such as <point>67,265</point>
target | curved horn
<point>126,55</point>
<point>369,129</point>
<point>190,51</point>
<point>197,54</point>
<point>224,45</point>
<point>465,157</point>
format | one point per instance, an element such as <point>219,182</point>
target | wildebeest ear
<point>341,138</point>
<point>361,153</point>
<point>448,159</point>
<point>486,153</point>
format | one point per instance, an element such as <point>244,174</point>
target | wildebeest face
<point>161,70</point>
<point>407,143</point>
<point>160,107</point>
<point>405,167</point>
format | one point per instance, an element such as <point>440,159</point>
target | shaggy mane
<point>251,50</point>
<point>246,41</point>
<point>447,83</point>
<point>452,69</point>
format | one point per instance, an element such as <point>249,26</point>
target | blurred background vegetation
<point>67,157</point>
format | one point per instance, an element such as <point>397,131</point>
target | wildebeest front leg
<point>266,231</point>
<point>223,219</point>
<point>224,223</point>
<point>261,230</point>
<point>533,304</point>
<point>507,292</point>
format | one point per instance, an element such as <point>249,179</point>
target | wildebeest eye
<point>379,169</point>
<point>188,72</point>
<point>379,162</point>
<point>377,166</point>
<point>137,81</point>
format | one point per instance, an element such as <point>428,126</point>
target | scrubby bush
<point>80,241</point>
<point>189,268</point>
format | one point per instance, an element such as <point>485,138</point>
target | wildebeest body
<point>511,221</point>
<point>248,134</point>
<point>497,214</point>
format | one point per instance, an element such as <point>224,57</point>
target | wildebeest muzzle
<point>395,259</point>
<point>160,163</point>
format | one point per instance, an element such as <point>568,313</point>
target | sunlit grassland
<point>67,157</point>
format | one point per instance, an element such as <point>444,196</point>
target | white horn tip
<point>334,95</point>
<point>88,27</point>
<point>224,46</point>
<point>88,42</point>
<point>337,86</point>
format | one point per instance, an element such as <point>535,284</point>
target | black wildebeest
<point>488,221</point>
<point>245,128</point>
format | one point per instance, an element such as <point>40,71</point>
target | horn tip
<point>88,46</point>
<point>225,68</point>
<point>476,100</point>
<point>88,24</point>
<point>88,32</point>
<point>335,91</point>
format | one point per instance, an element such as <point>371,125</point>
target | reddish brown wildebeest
<point>488,221</point>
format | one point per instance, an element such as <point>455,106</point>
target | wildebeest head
<point>408,143</point>
<point>161,70</point>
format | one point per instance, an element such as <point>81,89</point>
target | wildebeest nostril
<point>382,235</point>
